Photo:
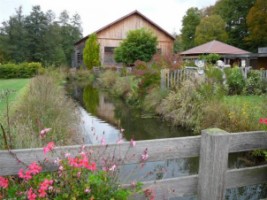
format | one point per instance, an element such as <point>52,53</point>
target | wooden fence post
<point>213,164</point>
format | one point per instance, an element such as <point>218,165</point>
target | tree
<point>190,21</point>
<point>140,44</point>
<point>210,28</point>
<point>36,25</point>
<point>234,13</point>
<point>91,52</point>
<point>257,25</point>
<point>13,40</point>
<point>70,32</point>
<point>177,46</point>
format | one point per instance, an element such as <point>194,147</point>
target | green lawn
<point>11,84</point>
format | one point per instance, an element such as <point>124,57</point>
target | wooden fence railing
<point>170,79</point>
<point>213,147</point>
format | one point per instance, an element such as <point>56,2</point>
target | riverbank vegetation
<point>43,104</point>
<point>195,104</point>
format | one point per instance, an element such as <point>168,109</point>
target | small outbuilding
<point>111,35</point>
<point>229,54</point>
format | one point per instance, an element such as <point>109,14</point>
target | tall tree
<point>91,52</point>
<point>210,28</point>
<point>257,25</point>
<point>70,32</point>
<point>14,37</point>
<point>190,21</point>
<point>36,25</point>
<point>234,13</point>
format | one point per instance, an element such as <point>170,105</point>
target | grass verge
<point>16,85</point>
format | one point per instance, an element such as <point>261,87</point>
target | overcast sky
<point>97,13</point>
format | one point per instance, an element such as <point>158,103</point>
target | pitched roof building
<point>110,36</point>
<point>228,53</point>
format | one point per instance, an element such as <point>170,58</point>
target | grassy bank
<point>43,105</point>
<point>16,85</point>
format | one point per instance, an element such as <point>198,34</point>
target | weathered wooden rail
<point>213,147</point>
<point>170,79</point>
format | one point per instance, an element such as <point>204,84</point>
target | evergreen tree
<point>91,54</point>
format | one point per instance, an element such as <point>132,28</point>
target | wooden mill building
<point>110,36</point>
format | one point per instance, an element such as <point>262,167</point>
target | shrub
<point>235,80</point>
<point>184,107</point>
<point>22,70</point>
<point>254,83</point>
<point>126,87</point>
<point>108,78</point>
<point>214,75</point>
<point>166,61</point>
<point>140,44</point>
<point>153,99</point>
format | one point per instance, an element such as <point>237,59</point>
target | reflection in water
<point>103,117</point>
<point>91,99</point>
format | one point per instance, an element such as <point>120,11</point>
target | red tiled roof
<point>126,16</point>
<point>214,47</point>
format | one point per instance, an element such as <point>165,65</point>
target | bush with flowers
<point>76,177</point>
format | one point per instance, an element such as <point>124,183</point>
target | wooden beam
<point>247,141</point>
<point>246,176</point>
<point>161,149</point>
<point>213,164</point>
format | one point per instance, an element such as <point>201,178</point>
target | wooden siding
<point>113,35</point>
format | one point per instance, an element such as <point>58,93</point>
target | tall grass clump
<point>44,105</point>
<point>184,107</point>
<point>108,78</point>
<point>127,88</point>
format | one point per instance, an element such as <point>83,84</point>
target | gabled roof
<point>123,18</point>
<point>214,47</point>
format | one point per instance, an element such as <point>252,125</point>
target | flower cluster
<point>33,169</point>
<point>263,121</point>
<point>76,177</point>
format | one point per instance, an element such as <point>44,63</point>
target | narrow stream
<point>109,120</point>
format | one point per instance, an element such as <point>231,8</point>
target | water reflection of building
<point>106,111</point>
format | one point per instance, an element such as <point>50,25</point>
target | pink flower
<point>31,195</point>
<point>87,190</point>
<point>50,146</point>
<point>67,155</point>
<point>44,132</point>
<point>144,156</point>
<point>263,121</point>
<point>3,182</point>
<point>133,143</point>
<point>112,168</point>
<point>44,187</point>
<point>34,168</point>
<point>27,175</point>
<point>103,141</point>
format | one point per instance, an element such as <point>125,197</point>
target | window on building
<point>109,49</point>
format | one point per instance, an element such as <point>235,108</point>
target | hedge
<point>22,70</point>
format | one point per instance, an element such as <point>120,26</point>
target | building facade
<point>110,37</point>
